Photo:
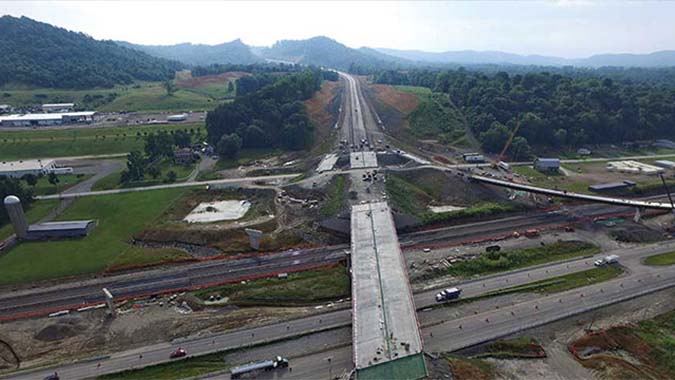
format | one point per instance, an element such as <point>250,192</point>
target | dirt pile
<point>58,331</point>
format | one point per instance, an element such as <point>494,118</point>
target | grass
<point>83,141</point>
<point>300,288</point>
<point>417,90</point>
<point>112,180</point>
<point>565,282</point>
<point>436,117</point>
<point>152,97</point>
<point>508,260</point>
<point>470,369</point>
<point>337,190</point>
<point>119,217</point>
<point>179,369</point>
<point>522,347</point>
<point>555,180</point>
<point>66,181</point>
<point>661,259</point>
<point>408,197</point>
<point>137,255</point>
<point>660,334</point>
<point>477,211</point>
<point>36,211</point>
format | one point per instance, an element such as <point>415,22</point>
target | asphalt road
<point>447,335</point>
<point>233,181</point>
<point>73,295</point>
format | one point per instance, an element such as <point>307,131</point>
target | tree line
<point>551,110</point>
<point>158,146</point>
<point>267,117</point>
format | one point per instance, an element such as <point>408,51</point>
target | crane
<point>495,164</point>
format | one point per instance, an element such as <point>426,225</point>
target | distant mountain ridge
<point>235,52</point>
<point>40,54</point>
<point>662,58</point>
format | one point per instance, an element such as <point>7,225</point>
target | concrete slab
<point>362,160</point>
<point>385,326</point>
<point>327,163</point>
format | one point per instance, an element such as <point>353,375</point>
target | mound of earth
<point>635,233</point>
<point>8,358</point>
<point>57,331</point>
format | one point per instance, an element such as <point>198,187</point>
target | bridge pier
<point>638,214</point>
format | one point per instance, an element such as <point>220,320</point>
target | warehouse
<point>634,167</point>
<point>18,169</point>
<point>53,230</point>
<point>58,107</point>
<point>547,165</point>
<point>46,119</point>
<point>606,187</point>
<point>665,164</point>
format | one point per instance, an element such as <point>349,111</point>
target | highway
<point>74,294</point>
<point>447,336</point>
<point>353,129</point>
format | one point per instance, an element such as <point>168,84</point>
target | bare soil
<point>404,102</point>
<point>196,82</point>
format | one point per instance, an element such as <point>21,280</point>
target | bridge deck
<point>362,160</point>
<point>385,324</point>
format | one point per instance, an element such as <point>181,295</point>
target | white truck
<point>611,259</point>
<point>448,294</point>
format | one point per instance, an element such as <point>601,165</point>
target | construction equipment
<point>499,163</point>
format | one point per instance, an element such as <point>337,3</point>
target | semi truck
<point>448,294</point>
<point>255,367</point>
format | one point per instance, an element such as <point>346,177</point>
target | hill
<point>663,58</point>
<point>235,52</point>
<point>323,51</point>
<point>39,54</point>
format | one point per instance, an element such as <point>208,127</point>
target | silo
<point>16,215</point>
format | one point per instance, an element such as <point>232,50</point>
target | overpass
<point>386,337</point>
<point>639,204</point>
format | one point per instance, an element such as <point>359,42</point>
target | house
<point>58,107</point>
<point>183,156</point>
<point>584,152</point>
<point>18,169</point>
<point>547,165</point>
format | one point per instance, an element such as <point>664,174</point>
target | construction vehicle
<point>499,163</point>
<point>255,367</point>
<point>448,294</point>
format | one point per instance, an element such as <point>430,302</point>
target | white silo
<point>16,215</point>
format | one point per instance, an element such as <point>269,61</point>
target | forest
<point>552,110</point>
<point>39,54</point>
<point>271,116</point>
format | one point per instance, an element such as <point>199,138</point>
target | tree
<point>230,87</point>
<point>520,149</point>
<point>170,87</point>
<point>135,167</point>
<point>159,145</point>
<point>154,172</point>
<point>31,179</point>
<point>53,179</point>
<point>171,176</point>
<point>494,139</point>
<point>229,145</point>
<point>181,138</point>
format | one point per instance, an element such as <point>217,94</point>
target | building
<point>176,118</point>
<point>46,119</point>
<point>473,157</point>
<point>43,231</point>
<point>18,169</point>
<point>605,187</point>
<point>634,167</point>
<point>5,108</point>
<point>665,164</point>
<point>58,107</point>
<point>584,152</point>
<point>183,156</point>
<point>663,143</point>
<point>547,165</point>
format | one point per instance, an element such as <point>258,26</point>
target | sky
<point>571,29</point>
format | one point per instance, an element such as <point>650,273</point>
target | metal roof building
<point>386,338</point>
<point>611,186</point>
<point>547,164</point>
<point>46,119</point>
<point>17,169</point>
<point>52,230</point>
<point>57,107</point>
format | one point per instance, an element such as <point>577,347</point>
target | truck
<point>611,259</point>
<point>255,367</point>
<point>448,294</point>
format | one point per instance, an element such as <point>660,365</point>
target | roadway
<point>227,181</point>
<point>447,335</point>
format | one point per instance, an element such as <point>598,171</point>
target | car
<point>53,376</point>
<point>178,353</point>
<point>426,250</point>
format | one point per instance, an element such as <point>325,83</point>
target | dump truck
<point>448,294</point>
<point>255,367</point>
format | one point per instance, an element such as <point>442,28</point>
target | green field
<point>140,97</point>
<point>119,216</point>
<point>417,90</point>
<point>565,282</point>
<point>36,211</point>
<point>337,191</point>
<point>112,181</point>
<point>83,141</point>
<point>66,181</point>
<point>508,260</point>
<point>300,288</point>
<point>661,259</point>
<point>181,369</point>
